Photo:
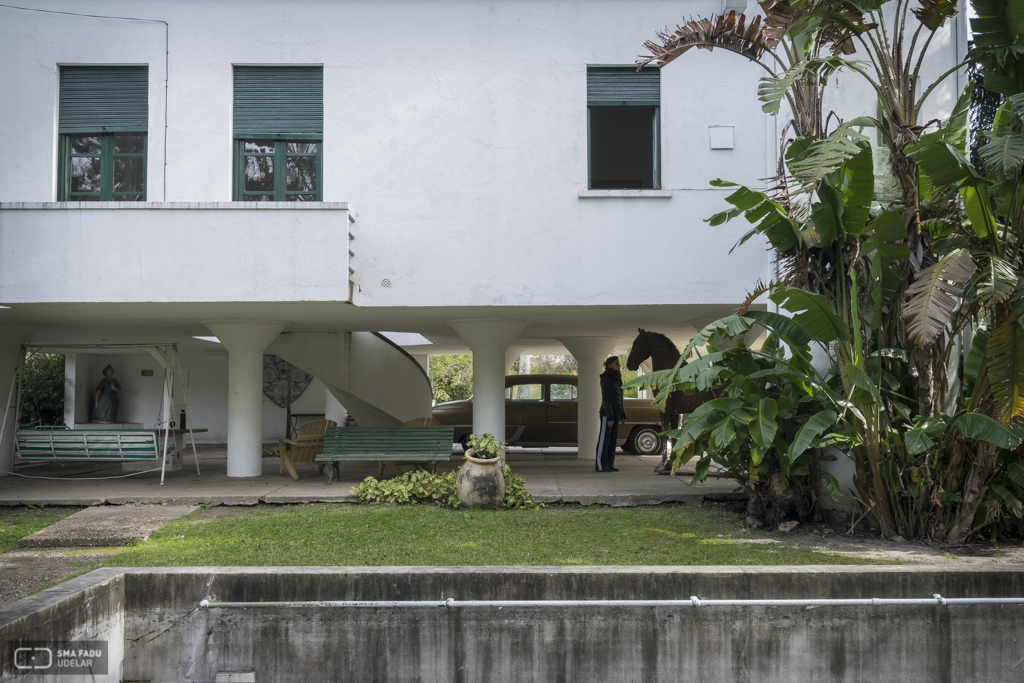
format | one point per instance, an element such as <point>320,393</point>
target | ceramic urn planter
<point>480,483</point>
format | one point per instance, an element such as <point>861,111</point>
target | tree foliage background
<point>451,377</point>
<point>42,397</point>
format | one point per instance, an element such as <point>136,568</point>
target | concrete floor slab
<point>552,475</point>
<point>106,525</point>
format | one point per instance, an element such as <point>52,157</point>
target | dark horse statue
<point>664,355</point>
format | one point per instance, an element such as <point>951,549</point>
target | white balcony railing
<point>173,252</point>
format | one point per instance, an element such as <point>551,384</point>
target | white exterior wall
<point>457,146</point>
<point>173,252</point>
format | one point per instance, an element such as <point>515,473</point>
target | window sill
<point>627,194</point>
<point>247,206</point>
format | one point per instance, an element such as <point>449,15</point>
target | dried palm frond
<point>837,32</point>
<point>759,288</point>
<point>933,13</point>
<point>935,294</point>
<point>723,31</point>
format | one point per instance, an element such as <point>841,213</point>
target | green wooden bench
<point>418,445</point>
<point>91,444</point>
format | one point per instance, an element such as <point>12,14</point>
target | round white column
<point>245,341</point>
<point>590,353</point>
<point>12,336</point>
<point>488,339</point>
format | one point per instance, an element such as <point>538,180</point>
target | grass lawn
<point>18,522</point>
<point>426,535</point>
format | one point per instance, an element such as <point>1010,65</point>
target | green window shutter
<point>282,102</point>
<point>609,86</point>
<point>102,99</point>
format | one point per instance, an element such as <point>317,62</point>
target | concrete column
<point>590,353</point>
<point>245,341</point>
<point>489,339</point>
<point>12,336</point>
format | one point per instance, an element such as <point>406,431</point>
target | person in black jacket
<point>612,412</point>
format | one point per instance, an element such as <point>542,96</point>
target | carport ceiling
<point>179,322</point>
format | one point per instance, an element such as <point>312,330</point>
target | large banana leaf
<point>942,163</point>
<point>1004,155</point>
<point>984,428</point>
<point>1005,365</point>
<point>860,189</point>
<point>729,326</point>
<point>916,441</point>
<point>887,231</point>
<point>857,377</point>
<point>1017,302</point>
<point>827,214</point>
<point>973,361</point>
<point>811,429</point>
<point>935,294</point>
<point>771,217</point>
<point>814,313</point>
<point>772,90</point>
<point>782,325</point>
<point>764,427</point>
<point>827,155</point>
<point>998,31</point>
<point>979,209</point>
<point>996,280</point>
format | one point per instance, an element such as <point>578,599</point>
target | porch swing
<point>103,445</point>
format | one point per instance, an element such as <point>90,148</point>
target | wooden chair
<point>308,444</point>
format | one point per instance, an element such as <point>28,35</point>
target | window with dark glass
<point>278,130</point>
<point>102,121</point>
<point>623,128</point>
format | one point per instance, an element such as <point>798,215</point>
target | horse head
<point>639,351</point>
<point>659,348</point>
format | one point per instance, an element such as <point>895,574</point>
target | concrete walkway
<point>106,525</point>
<point>551,475</point>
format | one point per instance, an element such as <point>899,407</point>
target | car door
<point>563,413</point>
<point>524,405</point>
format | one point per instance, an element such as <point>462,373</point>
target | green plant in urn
<point>480,483</point>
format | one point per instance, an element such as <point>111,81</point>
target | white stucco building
<point>458,182</point>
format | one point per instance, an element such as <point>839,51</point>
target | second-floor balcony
<point>174,252</point>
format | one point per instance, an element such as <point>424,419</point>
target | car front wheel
<point>645,441</point>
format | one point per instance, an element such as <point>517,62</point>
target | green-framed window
<point>278,132</point>
<point>278,170</point>
<point>102,125</point>
<point>104,167</point>
<point>623,128</point>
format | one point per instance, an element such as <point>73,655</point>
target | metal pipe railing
<point>694,601</point>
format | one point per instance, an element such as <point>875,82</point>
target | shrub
<point>438,488</point>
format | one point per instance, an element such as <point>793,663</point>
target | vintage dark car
<point>541,410</point>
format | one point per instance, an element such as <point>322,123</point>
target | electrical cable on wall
<point>167,58</point>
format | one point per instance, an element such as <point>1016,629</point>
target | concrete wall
<point>166,252</point>
<point>577,644</point>
<point>166,638</point>
<point>207,387</point>
<point>91,607</point>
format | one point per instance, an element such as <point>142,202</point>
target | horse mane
<point>668,342</point>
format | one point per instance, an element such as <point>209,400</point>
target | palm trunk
<point>922,360</point>
<point>973,491</point>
